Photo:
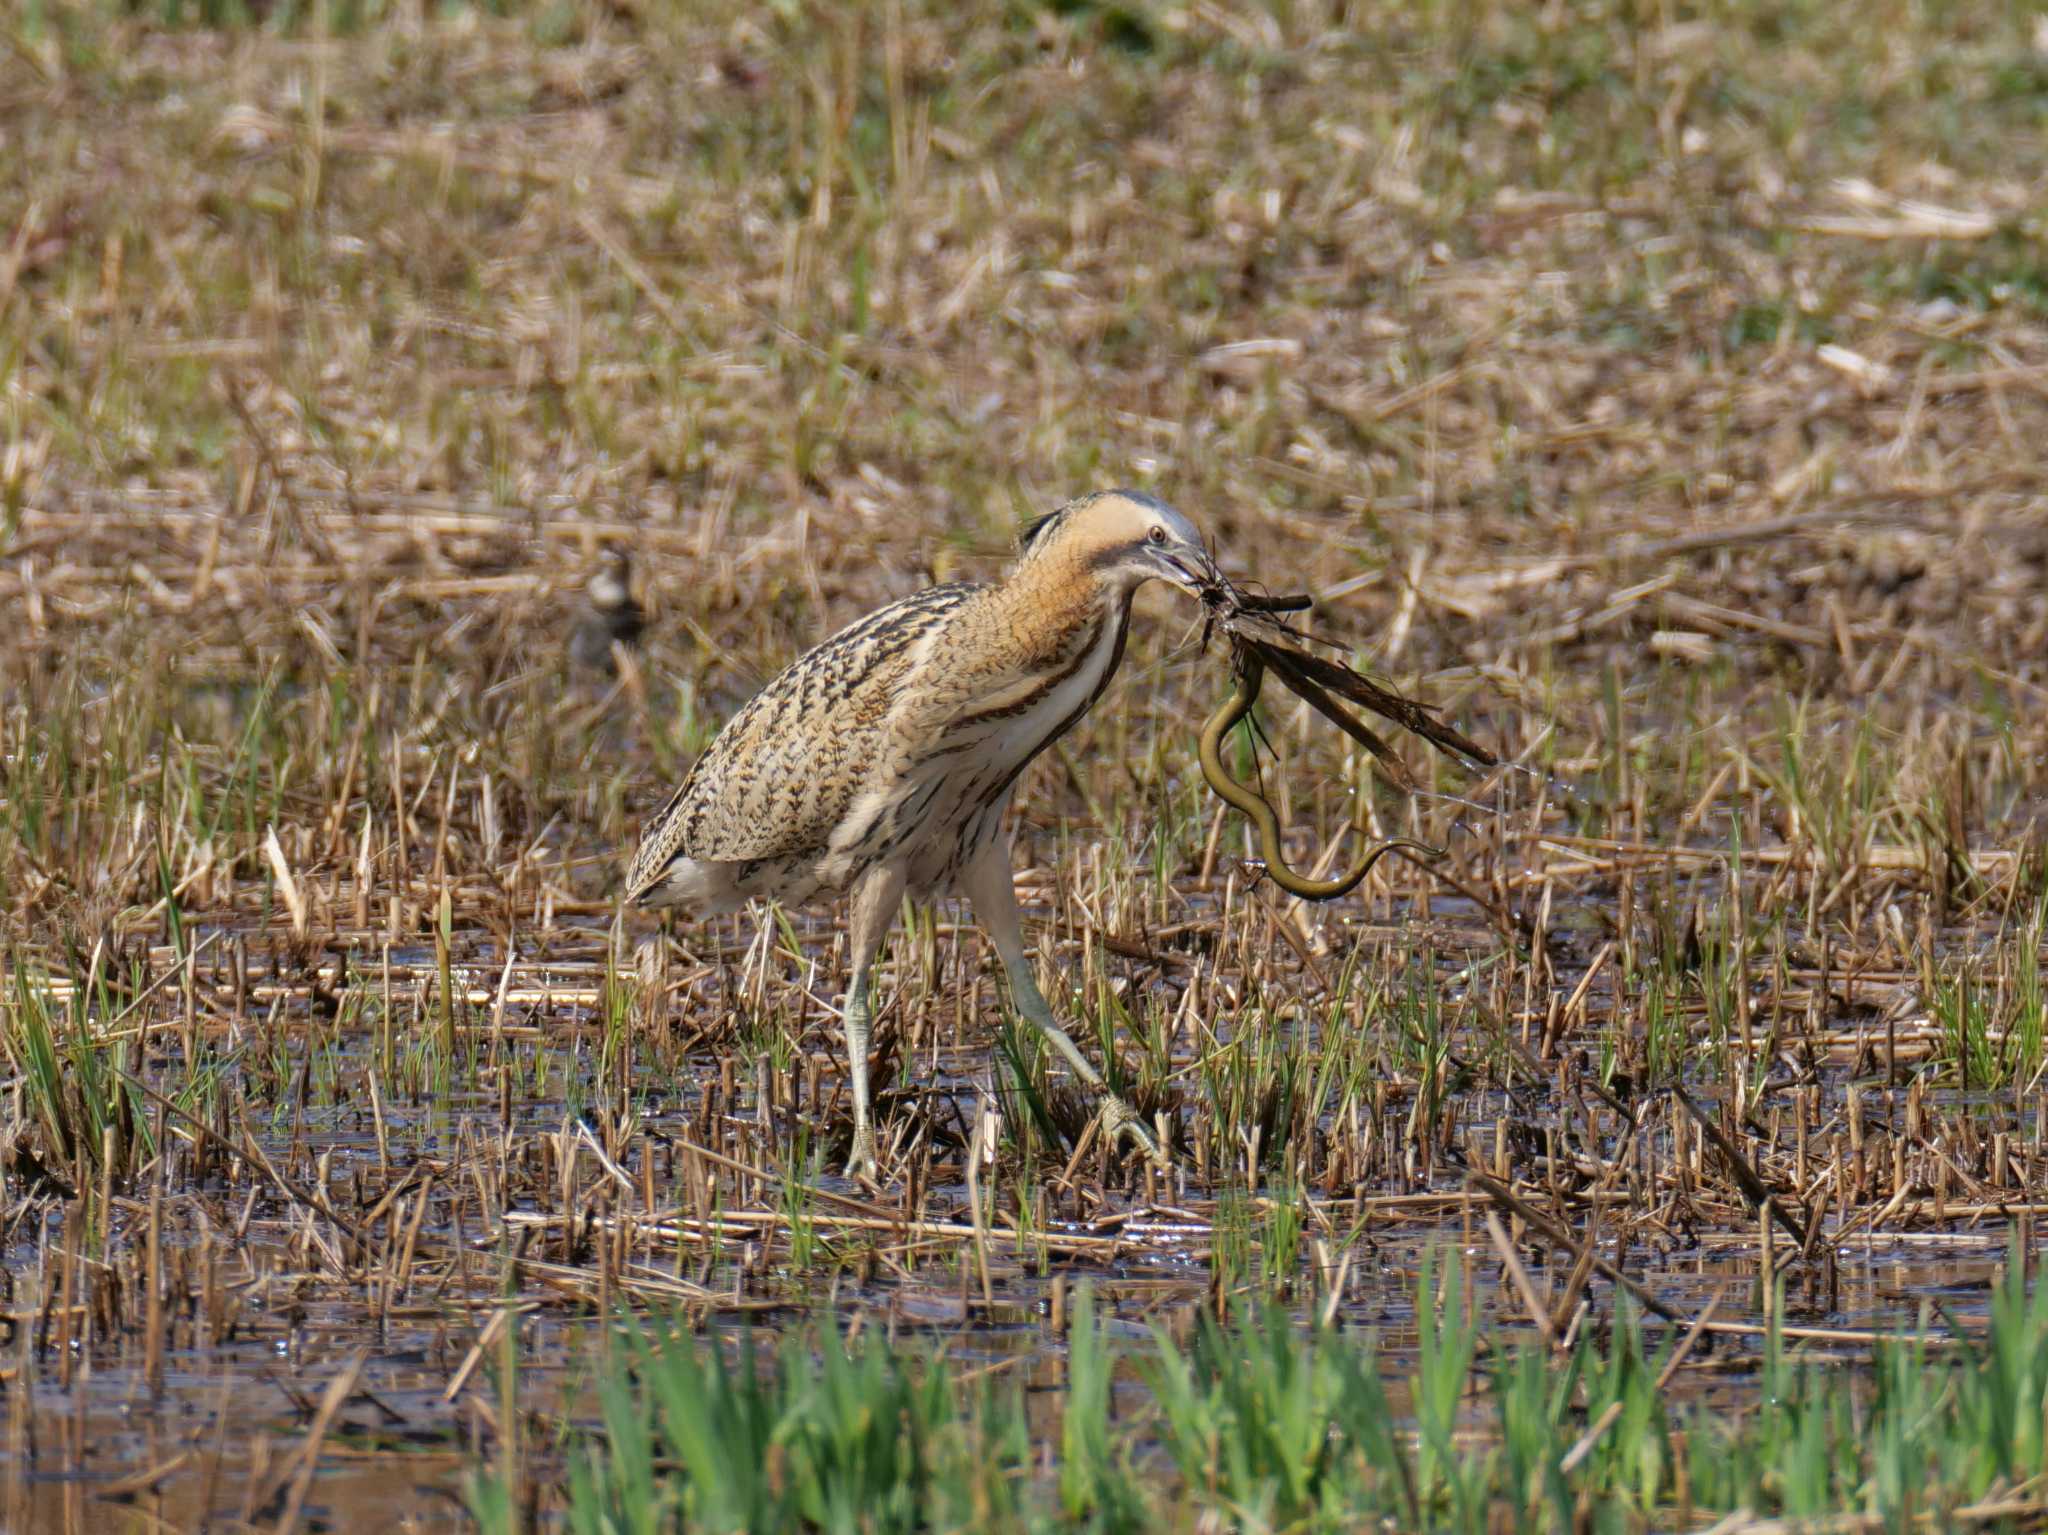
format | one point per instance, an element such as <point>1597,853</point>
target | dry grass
<point>1661,394</point>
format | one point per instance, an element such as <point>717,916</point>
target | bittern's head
<point>1127,538</point>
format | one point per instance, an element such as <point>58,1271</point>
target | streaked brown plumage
<point>880,763</point>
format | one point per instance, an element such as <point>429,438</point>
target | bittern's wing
<point>786,769</point>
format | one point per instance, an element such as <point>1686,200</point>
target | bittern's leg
<point>990,887</point>
<point>873,909</point>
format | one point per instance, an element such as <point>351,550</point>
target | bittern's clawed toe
<point>861,1166</point>
<point>1121,1122</point>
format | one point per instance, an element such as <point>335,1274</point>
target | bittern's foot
<point>860,1165</point>
<point>1122,1122</point>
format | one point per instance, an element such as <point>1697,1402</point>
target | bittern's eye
<point>1156,533</point>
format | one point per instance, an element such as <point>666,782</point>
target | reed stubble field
<point>1658,390</point>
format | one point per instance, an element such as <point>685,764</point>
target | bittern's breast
<point>896,740</point>
<point>958,762</point>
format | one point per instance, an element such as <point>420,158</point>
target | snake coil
<point>1251,673</point>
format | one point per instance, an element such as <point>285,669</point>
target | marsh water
<point>278,1299</point>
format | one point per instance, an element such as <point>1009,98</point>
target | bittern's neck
<point>1058,598</point>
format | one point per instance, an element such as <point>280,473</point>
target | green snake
<point>1251,672</point>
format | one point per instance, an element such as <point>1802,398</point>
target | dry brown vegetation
<point>1660,391</point>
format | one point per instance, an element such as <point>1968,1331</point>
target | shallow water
<point>232,1414</point>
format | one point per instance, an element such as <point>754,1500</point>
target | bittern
<point>880,764</point>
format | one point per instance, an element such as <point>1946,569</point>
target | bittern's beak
<point>1188,567</point>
